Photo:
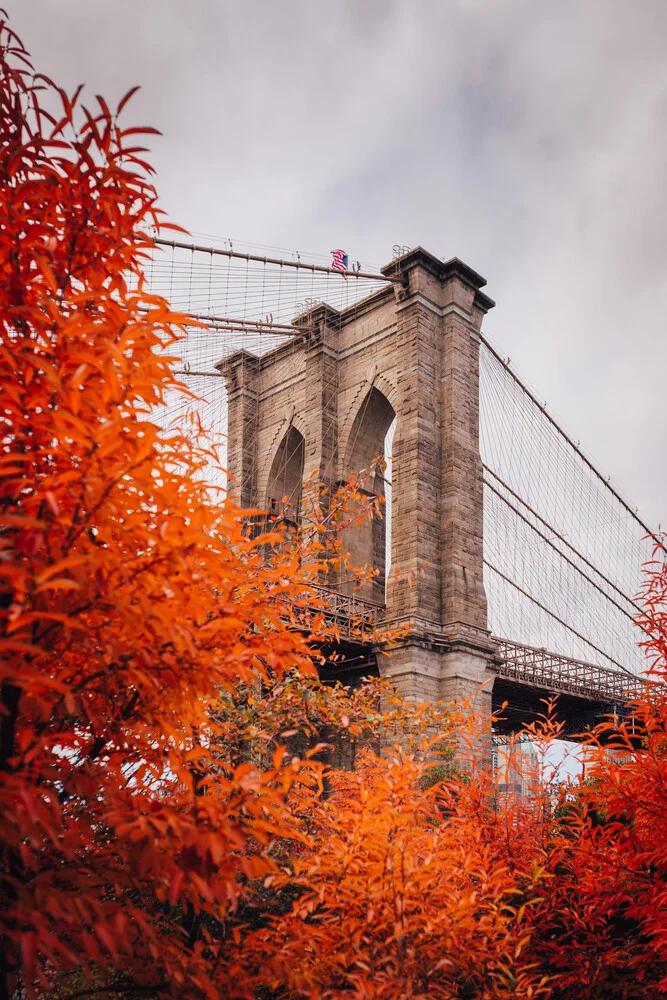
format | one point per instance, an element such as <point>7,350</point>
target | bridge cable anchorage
<point>575,446</point>
<point>583,638</point>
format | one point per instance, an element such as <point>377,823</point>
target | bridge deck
<point>357,619</point>
<point>542,669</point>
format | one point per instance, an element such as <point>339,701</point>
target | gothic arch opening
<point>286,477</point>
<point>388,484</point>
<point>369,543</point>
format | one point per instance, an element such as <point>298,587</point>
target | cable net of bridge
<point>563,549</point>
<point>247,297</point>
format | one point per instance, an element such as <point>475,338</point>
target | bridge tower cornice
<point>418,265</point>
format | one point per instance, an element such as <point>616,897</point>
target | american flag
<point>340,261</point>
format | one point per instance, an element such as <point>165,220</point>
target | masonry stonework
<point>409,351</point>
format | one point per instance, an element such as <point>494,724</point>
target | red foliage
<point>404,893</point>
<point>155,837</point>
<point>602,925</point>
<point>129,600</point>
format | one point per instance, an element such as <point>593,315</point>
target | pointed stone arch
<point>420,334</point>
<point>367,541</point>
<point>293,419</point>
<point>368,430</point>
<point>377,381</point>
<point>285,478</point>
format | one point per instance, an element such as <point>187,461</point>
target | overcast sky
<point>528,138</point>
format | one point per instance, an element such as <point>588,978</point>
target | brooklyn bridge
<point>508,562</point>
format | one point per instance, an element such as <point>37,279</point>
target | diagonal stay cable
<point>560,621</point>
<point>561,554</point>
<point>572,444</point>
<point>560,537</point>
<point>543,580</point>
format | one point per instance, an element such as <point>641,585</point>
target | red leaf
<point>175,886</point>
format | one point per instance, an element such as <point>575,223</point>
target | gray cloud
<point>528,139</point>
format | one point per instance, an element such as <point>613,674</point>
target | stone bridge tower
<point>324,404</point>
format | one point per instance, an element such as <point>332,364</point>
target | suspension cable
<point>572,444</point>
<point>176,245</point>
<point>560,621</point>
<point>560,537</point>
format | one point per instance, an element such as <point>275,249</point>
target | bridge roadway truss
<point>527,678</point>
<point>357,619</point>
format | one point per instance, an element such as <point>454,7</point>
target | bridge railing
<point>542,669</point>
<point>355,617</point>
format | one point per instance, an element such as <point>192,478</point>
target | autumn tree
<point>130,598</point>
<point>407,887</point>
<point>402,892</point>
<point>601,928</point>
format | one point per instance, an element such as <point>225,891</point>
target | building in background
<point>515,767</point>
